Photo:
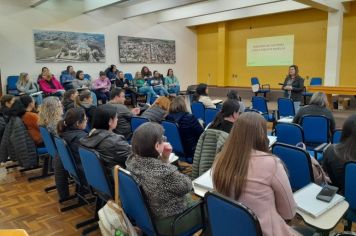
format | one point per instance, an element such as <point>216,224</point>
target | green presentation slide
<point>270,51</point>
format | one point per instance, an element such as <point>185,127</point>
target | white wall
<point>17,49</point>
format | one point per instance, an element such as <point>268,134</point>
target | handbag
<point>320,177</point>
<point>112,219</point>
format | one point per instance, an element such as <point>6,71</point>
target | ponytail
<point>218,120</point>
<point>71,119</point>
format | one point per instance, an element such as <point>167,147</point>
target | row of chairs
<point>207,115</point>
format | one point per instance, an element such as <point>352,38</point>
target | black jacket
<point>189,130</point>
<point>113,148</point>
<point>67,104</point>
<point>334,166</point>
<point>297,88</point>
<point>72,137</point>
<point>17,144</point>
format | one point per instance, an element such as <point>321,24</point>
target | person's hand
<point>125,85</point>
<point>136,111</point>
<point>167,150</point>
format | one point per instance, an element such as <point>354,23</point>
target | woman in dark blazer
<point>293,86</point>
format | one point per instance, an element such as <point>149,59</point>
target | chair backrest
<point>289,133</point>
<point>48,141</point>
<point>128,76</point>
<point>172,133</point>
<point>228,217</point>
<point>259,104</point>
<point>254,80</point>
<point>11,85</point>
<point>285,107</point>
<point>94,171</point>
<point>210,114</point>
<point>136,121</point>
<point>316,129</point>
<point>297,162</point>
<point>350,184</point>
<point>67,159</point>
<point>198,110</point>
<point>336,137</point>
<point>87,77</point>
<point>134,204</point>
<point>315,81</point>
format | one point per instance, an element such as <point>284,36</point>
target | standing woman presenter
<point>293,86</point>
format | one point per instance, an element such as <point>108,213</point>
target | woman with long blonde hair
<point>245,171</point>
<point>51,112</point>
<point>25,86</point>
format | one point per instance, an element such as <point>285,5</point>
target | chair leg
<point>347,225</point>
<point>98,205</point>
<point>90,229</point>
<point>45,172</point>
<point>50,188</point>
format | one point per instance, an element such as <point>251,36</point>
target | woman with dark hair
<point>85,101</point>
<point>69,98</point>
<point>142,87</point>
<point>157,84</point>
<point>146,73</point>
<point>80,82</point>
<point>245,171</point>
<point>67,77</point>
<point>111,72</point>
<point>171,82</point>
<point>293,86</point>
<point>123,83</point>
<point>102,87</point>
<point>113,148</point>
<point>234,95</point>
<point>188,125</point>
<point>167,190</point>
<point>201,95</point>
<point>336,155</point>
<point>31,119</point>
<point>225,119</point>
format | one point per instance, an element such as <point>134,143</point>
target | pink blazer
<point>44,86</point>
<point>268,193</point>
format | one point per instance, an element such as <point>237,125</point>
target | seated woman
<point>80,82</point>
<point>146,73</point>
<point>234,95</point>
<point>157,83</point>
<point>123,83</point>
<point>51,112</point>
<point>67,77</point>
<point>102,87</point>
<point>44,71</point>
<point>25,86</point>
<point>50,85</point>
<point>143,88</point>
<point>111,72</point>
<point>6,102</point>
<point>245,171</point>
<point>336,155</point>
<point>113,148</point>
<point>31,119</point>
<point>213,138</point>
<point>167,190</point>
<point>318,106</point>
<point>69,98</point>
<point>72,128</point>
<point>85,101</point>
<point>172,83</point>
<point>158,111</point>
<point>201,95</point>
<point>188,125</point>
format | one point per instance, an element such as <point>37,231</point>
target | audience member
<point>80,82</point>
<point>67,77</point>
<point>31,119</point>
<point>50,114</point>
<point>101,87</point>
<point>318,106</point>
<point>111,72</point>
<point>225,119</point>
<point>117,99</point>
<point>172,83</point>
<point>167,190</point>
<point>234,95</point>
<point>158,111</point>
<point>113,148</point>
<point>336,155</point>
<point>245,171</point>
<point>201,95</point>
<point>146,73</point>
<point>6,102</point>
<point>142,87</point>
<point>50,85</point>
<point>69,98</point>
<point>157,83</point>
<point>123,83</point>
<point>25,86</point>
<point>85,101</point>
<point>188,125</point>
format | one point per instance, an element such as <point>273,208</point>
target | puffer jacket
<point>18,145</point>
<point>113,148</point>
<point>209,144</point>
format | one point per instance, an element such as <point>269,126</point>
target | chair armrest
<point>321,147</point>
<point>266,86</point>
<point>200,204</point>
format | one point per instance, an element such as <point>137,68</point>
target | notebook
<point>216,101</point>
<point>287,119</point>
<point>272,140</point>
<point>307,202</point>
<point>36,93</point>
<point>204,181</point>
<point>173,158</point>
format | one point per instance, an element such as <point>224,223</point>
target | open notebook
<point>216,101</point>
<point>204,181</point>
<point>307,202</point>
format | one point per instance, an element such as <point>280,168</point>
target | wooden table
<point>330,90</point>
